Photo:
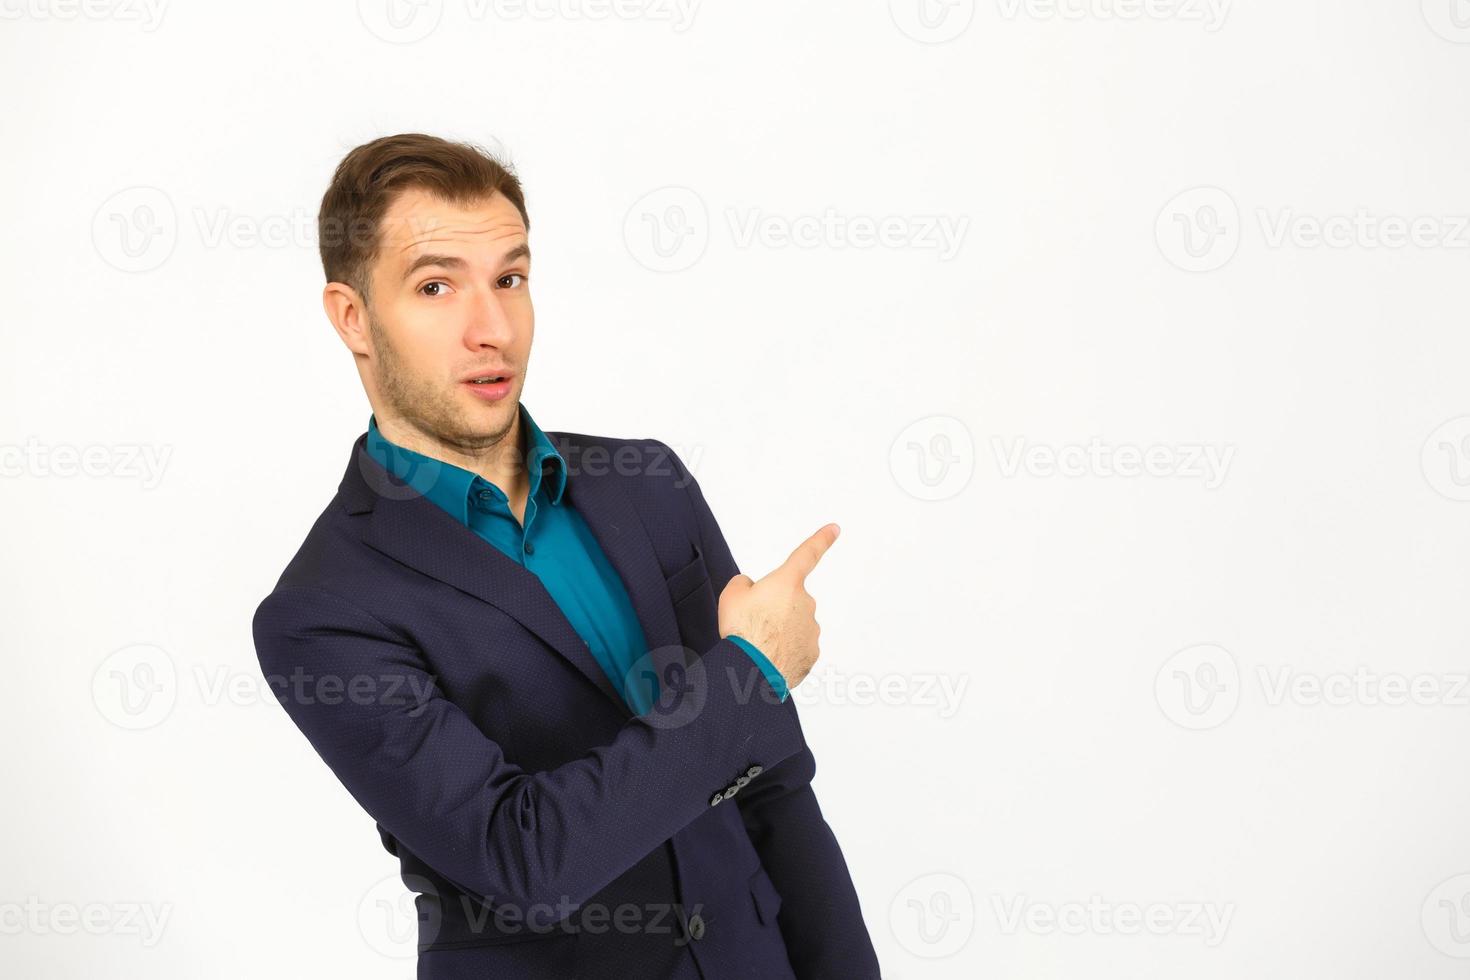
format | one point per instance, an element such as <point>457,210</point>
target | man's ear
<point>348,312</point>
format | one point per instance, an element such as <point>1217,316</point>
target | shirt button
<point>486,494</point>
<point>696,926</point>
<point>530,548</point>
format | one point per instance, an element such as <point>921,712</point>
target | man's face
<point>450,301</point>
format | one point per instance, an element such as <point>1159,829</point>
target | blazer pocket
<point>767,899</point>
<point>695,607</point>
<point>687,579</point>
<point>544,956</point>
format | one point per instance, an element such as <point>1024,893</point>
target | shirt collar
<point>449,486</point>
<point>542,450</point>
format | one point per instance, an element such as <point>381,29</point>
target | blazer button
<point>715,800</point>
<point>731,791</point>
<point>740,783</point>
<point>754,771</point>
<point>696,927</point>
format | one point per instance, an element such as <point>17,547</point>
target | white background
<point>1234,692</point>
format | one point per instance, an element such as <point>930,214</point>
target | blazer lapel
<point>408,527</point>
<point>626,541</point>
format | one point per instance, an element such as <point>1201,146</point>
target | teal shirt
<point>558,547</point>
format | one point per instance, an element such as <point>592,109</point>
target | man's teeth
<point>485,381</point>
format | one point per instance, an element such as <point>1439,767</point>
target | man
<point>506,643</point>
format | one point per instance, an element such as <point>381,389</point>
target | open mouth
<point>490,387</point>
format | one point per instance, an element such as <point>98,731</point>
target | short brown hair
<point>372,175</point>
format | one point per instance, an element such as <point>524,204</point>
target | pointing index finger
<point>810,551</point>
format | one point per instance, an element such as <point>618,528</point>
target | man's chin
<point>489,418</point>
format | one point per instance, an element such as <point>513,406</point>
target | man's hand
<point>777,614</point>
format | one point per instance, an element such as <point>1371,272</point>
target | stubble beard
<point>427,407</point>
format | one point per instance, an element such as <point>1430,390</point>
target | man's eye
<point>438,286</point>
<point>503,280</point>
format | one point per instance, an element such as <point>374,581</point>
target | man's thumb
<point>737,586</point>
<point>740,583</point>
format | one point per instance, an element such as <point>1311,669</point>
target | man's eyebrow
<point>521,251</point>
<point>447,261</point>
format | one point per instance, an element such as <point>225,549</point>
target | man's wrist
<point>768,670</point>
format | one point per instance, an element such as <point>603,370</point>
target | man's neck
<point>503,464</point>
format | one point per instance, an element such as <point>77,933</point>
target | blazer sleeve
<point>422,768</point>
<point>821,919</point>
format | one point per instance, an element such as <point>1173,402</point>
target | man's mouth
<point>489,387</point>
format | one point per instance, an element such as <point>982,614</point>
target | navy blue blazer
<point>549,831</point>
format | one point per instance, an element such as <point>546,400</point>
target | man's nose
<point>489,325</point>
